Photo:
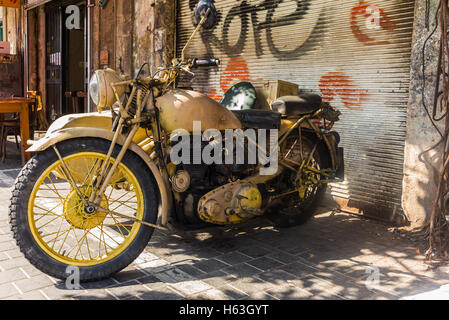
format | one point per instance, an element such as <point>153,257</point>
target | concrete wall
<point>154,27</point>
<point>125,37</point>
<point>143,31</point>
<point>419,187</point>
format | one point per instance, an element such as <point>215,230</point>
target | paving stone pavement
<point>334,256</point>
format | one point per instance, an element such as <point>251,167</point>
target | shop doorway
<point>66,62</point>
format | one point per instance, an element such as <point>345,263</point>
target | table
<point>20,106</point>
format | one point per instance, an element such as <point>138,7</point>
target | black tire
<point>18,211</point>
<point>284,215</point>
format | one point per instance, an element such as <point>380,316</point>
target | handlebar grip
<point>206,63</point>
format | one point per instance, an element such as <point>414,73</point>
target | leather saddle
<point>299,105</point>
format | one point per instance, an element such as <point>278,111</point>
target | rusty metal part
<point>289,125</point>
<point>181,181</point>
<point>232,203</point>
<point>198,27</point>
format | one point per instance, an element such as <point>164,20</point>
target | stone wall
<point>154,27</point>
<point>419,187</point>
<point>143,31</point>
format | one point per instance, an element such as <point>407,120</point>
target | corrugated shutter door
<point>355,53</point>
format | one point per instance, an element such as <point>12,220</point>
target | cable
<point>140,70</point>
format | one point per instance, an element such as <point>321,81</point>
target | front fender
<point>98,120</point>
<point>54,137</point>
<point>94,120</point>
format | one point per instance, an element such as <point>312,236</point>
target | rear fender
<point>331,146</point>
<point>328,139</point>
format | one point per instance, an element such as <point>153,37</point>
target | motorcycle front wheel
<point>52,227</point>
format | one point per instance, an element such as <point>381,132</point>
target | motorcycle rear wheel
<point>295,211</point>
<point>54,231</point>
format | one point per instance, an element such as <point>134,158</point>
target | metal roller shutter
<point>355,53</point>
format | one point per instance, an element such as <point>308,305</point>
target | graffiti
<point>236,69</point>
<point>332,85</point>
<point>376,19</point>
<point>338,84</point>
<point>248,16</point>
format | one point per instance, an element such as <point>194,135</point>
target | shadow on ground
<point>333,256</point>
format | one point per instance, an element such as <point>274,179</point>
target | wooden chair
<point>38,115</point>
<point>78,100</point>
<point>8,126</point>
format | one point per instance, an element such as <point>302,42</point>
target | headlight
<point>100,89</point>
<point>93,89</point>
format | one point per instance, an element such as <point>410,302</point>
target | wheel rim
<point>63,229</point>
<point>306,180</point>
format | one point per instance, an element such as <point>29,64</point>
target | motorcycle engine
<point>233,203</point>
<point>193,182</point>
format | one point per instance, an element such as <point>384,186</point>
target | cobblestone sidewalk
<point>334,256</point>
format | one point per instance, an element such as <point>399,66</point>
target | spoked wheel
<point>54,229</point>
<point>299,206</point>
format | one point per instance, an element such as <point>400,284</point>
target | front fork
<point>107,170</point>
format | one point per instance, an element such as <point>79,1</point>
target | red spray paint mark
<point>214,94</point>
<point>362,9</point>
<point>237,69</point>
<point>335,84</point>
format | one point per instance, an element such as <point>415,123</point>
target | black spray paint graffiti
<point>249,14</point>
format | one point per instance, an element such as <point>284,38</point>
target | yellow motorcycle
<point>166,158</point>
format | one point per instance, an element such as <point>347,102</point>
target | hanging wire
<point>438,229</point>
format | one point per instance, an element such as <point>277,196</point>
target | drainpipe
<point>89,55</point>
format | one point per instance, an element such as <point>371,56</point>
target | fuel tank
<point>180,108</point>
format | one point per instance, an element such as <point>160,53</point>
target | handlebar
<point>205,63</point>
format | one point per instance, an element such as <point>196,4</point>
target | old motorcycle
<point>100,183</point>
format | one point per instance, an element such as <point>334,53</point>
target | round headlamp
<point>100,88</point>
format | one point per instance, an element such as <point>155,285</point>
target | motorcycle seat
<point>302,104</point>
<point>259,119</point>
